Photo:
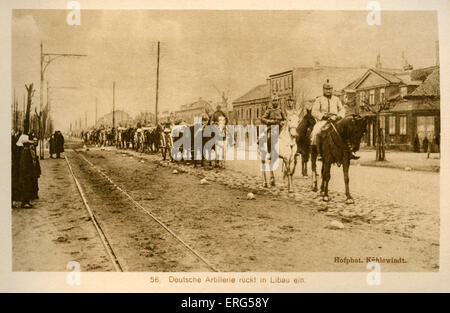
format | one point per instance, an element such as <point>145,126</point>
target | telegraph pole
<point>46,59</point>
<point>95,111</point>
<point>157,86</point>
<point>114,105</point>
<point>15,109</point>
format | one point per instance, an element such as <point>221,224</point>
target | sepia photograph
<point>208,141</point>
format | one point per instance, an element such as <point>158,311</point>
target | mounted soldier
<point>274,115</point>
<point>327,110</point>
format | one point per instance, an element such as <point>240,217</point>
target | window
<point>372,97</point>
<point>362,98</point>
<point>392,125</point>
<point>402,121</point>
<point>382,123</point>
<point>403,91</point>
<point>382,92</point>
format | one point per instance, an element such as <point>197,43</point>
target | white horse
<point>288,146</point>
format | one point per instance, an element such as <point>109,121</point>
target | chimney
<point>378,65</point>
<point>437,52</point>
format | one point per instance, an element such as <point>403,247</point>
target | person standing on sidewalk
<point>59,144</point>
<point>15,161</point>
<point>37,169</point>
<point>26,174</point>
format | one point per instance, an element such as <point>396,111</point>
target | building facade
<point>412,101</point>
<point>187,112</point>
<point>121,118</point>
<point>248,109</point>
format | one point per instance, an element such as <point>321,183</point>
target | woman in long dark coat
<point>59,143</point>
<point>27,175</point>
<point>15,161</point>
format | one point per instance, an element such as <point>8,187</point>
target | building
<point>145,118</point>
<point>249,108</point>
<point>413,99</point>
<point>187,112</point>
<point>121,118</point>
<point>163,116</point>
<point>301,85</point>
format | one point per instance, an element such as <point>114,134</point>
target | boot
<point>319,149</point>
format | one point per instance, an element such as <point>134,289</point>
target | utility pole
<point>96,111</point>
<point>114,105</point>
<point>46,59</point>
<point>15,109</point>
<point>22,116</point>
<point>157,86</point>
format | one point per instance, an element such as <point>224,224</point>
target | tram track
<point>103,237</point>
<point>136,204</point>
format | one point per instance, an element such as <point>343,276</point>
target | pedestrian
<point>425,144</point>
<point>51,146</point>
<point>429,148</point>
<point>59,144</point>
<point>26,174</point>
<point>416,144</point>
<point>37,169</point>
<point>15,161</point>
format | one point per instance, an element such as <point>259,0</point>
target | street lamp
<point>46,59</point>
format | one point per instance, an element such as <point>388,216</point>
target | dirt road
<point>275,232</point>
<point>57,229</point>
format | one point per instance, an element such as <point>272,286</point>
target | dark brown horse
<point>335,150</point>
<point>303,139</point>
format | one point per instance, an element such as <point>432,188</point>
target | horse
<point>288,147</point>
<point>333,143</point>
<point>303,139</point>
<point>165,140</point>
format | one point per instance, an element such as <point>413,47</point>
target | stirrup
<point>353,156</point>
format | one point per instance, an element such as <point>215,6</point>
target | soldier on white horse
<point>273,115</point>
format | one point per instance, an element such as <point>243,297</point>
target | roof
<point>199,104</point>
<point>422,73</point>
<point>430,87</point>
<point>258,92</point>
<point>388,76</point>
<point>407,79</point>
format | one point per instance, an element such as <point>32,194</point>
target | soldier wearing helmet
<point>274,115</point>
<point>326,109</point>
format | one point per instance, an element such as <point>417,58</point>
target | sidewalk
<point>57,229</point>
<point>401,160</point>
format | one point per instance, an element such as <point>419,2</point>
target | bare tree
<point>379,136</point>
<point>30,94</point>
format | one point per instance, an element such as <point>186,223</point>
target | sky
<point>232,51</point>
